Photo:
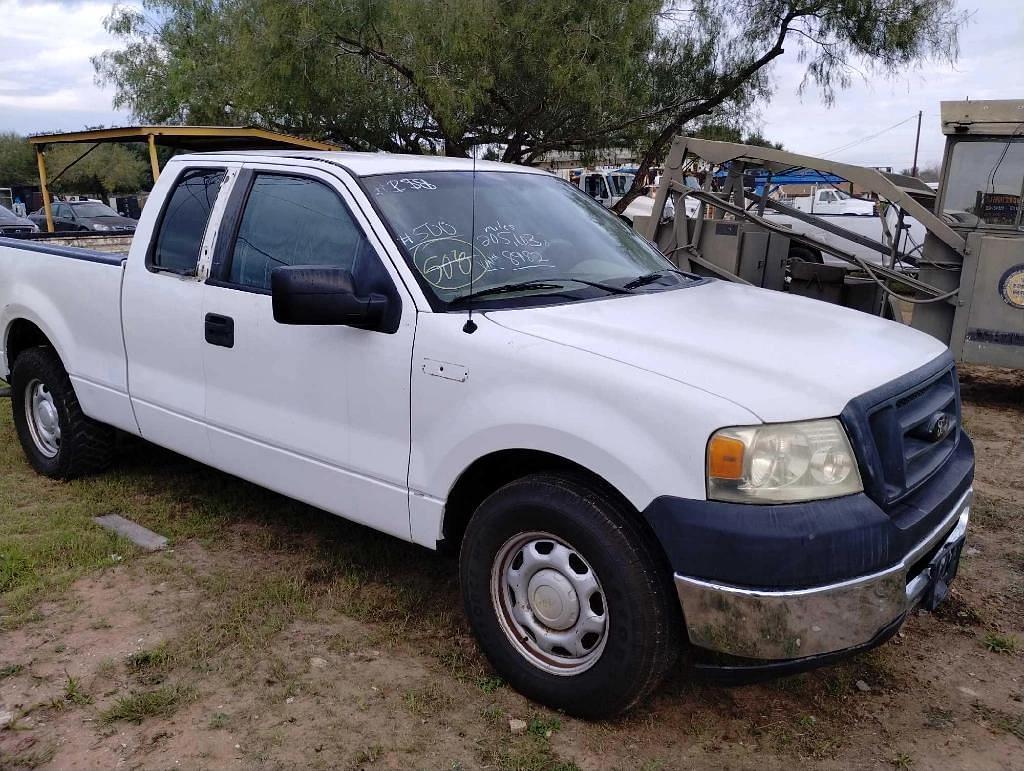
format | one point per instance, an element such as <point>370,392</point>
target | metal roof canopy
<point>890,187</point>
<point>189,138</point>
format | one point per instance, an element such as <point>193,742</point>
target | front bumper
<point>811,622</point>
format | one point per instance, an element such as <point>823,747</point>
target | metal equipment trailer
<point>966,286</point>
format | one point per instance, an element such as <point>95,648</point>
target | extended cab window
<point>184,219</point>
<point>293,221</point>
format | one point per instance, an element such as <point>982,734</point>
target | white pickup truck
<point>858,215</point>
<point>627,457</point>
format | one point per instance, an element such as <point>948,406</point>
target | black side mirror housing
<point>323,295</point>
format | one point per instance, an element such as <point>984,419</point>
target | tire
<point>605,547</point>
<point>80,445</point>
<point>804,254</point>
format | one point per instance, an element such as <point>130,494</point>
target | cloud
<point>47,79</point>
<point>989,67</point>
<point>46,83</point>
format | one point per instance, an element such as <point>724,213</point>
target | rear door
<point>162,307</point>
<point>319,413</point>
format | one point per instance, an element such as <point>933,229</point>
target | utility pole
<point>917,144</point>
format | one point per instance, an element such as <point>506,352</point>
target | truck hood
<point>779,356</point>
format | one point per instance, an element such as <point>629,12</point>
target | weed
<point>998,643</point>
<point>902,760</point>
<point>136,707</point>
<point>542,727</point>
<point>10,670</point>
<point>73,692</point>
<point>217,721</point>
<point>32,758</point>
<point>429,700</point>
<point>1004,721</point>
<point>369,754</point>
<point>493,714</point>
<point>936,717</point>
<point>150,666</point>
<point>490,684</point>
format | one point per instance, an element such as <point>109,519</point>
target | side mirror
<point>323,295</point>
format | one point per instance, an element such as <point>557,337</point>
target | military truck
<point>965,287</point>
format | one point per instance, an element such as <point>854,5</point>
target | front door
<point>319,413</point>
<point>162,308</point>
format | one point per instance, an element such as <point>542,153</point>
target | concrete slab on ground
<point>137,534</point>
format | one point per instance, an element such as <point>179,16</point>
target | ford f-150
<point>628,458</point>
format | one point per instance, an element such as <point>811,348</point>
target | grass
<point>74,693</point>
<point>997,718</point>
<point>428,701</point>
<point>999,643</point>
<point>902,760</point>
<point>218,720</point>
<point>136,707</point>
<point>47,536</point>
<point>150,666</point>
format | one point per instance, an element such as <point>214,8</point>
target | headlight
<point>782,463</point>
<point>101,227</point>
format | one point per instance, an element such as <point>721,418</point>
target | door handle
<point>220,330</point>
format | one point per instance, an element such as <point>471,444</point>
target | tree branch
<point>452,139</point>
<point>726,90</point>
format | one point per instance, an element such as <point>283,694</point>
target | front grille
<point>15,230</point>
<point>904,430</point>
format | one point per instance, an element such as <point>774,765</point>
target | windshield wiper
<point>650,278</point>
<point>504,289</point>
<point>536,284</point>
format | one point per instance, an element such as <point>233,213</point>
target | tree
<point>17,160</point>
<point>725,133</point>
<point>74,168</point>
<point>926,174</point>
<point>102,170</point>
<point>528,76</point>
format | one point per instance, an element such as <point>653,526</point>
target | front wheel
<point>568,596</point>
<point>57,437</point>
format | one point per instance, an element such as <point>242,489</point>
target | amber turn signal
<point>725,458</point>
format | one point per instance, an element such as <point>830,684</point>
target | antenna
<point>470,326</point>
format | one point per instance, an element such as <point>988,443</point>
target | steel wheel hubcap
<point>42,418</point>
<point>550,603</point>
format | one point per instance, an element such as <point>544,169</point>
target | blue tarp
<point>795,177</point>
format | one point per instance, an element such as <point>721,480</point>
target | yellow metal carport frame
<point>189,138</point>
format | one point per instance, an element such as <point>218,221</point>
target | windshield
<point>528,227</point>
<point>94,209</point>
<point>6,215</point>
<point>984,182</point>
<point>620,183</point>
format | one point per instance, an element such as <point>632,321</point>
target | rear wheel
<point>568,596</point>
<point>57,437</point>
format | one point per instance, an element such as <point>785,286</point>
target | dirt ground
<point>272,635</point>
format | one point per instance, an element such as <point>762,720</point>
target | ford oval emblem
<point>938,426</point>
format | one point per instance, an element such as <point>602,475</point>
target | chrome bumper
<point>796,623</point>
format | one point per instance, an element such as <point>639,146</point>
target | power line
<point>862,140</point>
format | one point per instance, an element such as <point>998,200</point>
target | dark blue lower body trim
<point>792,546</point>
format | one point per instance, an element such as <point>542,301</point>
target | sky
<point>46,84</point>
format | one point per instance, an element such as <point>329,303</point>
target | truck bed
<point>73,296</point>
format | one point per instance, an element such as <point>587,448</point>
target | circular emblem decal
<point>1011,286</point>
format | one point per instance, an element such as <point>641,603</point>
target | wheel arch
<point>22,334</point>
<point>492,471</point>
